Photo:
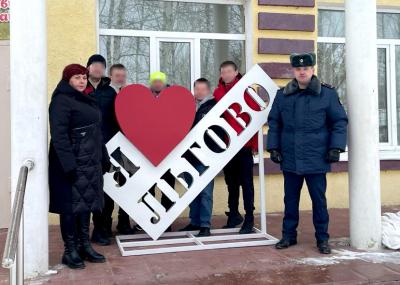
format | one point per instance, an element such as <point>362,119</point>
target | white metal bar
<point>198,247</point>
<point>261,180</point>
<point>177,234</point>
<point>194,239</point>
<point>164,34</point>
<point>190,239</point>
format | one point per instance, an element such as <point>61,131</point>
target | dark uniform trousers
<point>239,172</point>
<point>316,184</point>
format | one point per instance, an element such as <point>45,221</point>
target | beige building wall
<point>72,35</point>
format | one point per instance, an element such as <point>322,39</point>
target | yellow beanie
<point>158,75</point>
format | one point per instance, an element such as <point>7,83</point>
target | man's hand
<point>276,156</point>
<point>333,155</point>
<point>113,168</point>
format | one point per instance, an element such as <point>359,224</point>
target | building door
<point>5,148</point>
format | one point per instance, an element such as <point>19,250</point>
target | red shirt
<point>220,92</point>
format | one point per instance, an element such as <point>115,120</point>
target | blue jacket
<point>305,124</point>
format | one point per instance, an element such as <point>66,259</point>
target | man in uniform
<point>307,132</point>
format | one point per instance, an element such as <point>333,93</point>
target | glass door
<point>175,57</point>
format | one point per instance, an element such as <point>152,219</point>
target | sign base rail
<point>143,244</point>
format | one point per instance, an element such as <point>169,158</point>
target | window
<point>331,67</point>
<point>150,15</point>
<point>187,40</point>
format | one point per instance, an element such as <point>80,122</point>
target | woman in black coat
<point>77,160</point>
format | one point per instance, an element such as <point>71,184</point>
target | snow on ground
<point>343,255</point>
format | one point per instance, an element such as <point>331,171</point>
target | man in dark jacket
<point>239,171</point>
<point>307,132</point>
<point>99,88</point>
<point>201,207</point>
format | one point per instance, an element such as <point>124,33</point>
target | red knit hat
<point>73,69</point>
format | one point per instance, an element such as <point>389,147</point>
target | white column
<point>362,98</point>
<point>28,56</point>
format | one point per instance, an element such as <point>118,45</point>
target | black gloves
<point>276,156</point>
<point>333,155</point>
<point>113,168</point>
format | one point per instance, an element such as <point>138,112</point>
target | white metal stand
<point>143,244</point>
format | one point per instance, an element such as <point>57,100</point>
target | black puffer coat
<point>76,147</point>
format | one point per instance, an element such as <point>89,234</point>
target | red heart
<point>155,125</point>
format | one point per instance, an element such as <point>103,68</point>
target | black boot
<point>204,232</point>
<point>285,243</point>
<point>324,247</point>
<point>248,225</point>
<point>85,250</point>
<point>124,225</point>
<point>189,228</point>
<point>70,257</point>
<point>234,219</point>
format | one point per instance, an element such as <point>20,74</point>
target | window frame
<point>246,37</point>
<point>391,149</point>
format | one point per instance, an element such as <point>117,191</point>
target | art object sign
<point>157,141</point>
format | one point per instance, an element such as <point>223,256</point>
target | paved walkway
<point>300,264</point>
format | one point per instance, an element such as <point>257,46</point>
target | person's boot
<point>124,226</point>
<point>189,228</point>
<point>204,232</point>
<point>234,219</point>
<point>99,237</point>
<point>285,243</point>
<point>70,257</point>
<point>248,225</point>
<point>86,251</point>
<point>324,247</point>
